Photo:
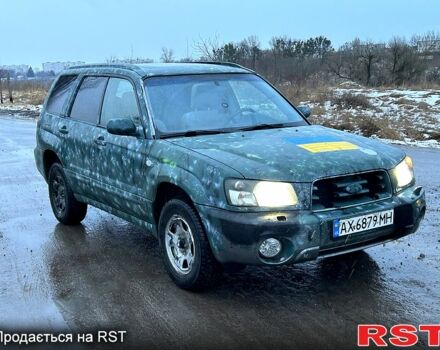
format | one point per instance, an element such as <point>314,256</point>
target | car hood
<point>300,154</point>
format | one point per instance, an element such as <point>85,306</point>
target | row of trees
<point>314,60</point>
<point>397,62</point>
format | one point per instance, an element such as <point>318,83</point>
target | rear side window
<point>60,94</point>
<point>119,102</point>
<point>87,104</point>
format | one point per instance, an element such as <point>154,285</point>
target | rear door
<point>120,159</point>
<point>80,129</point>
<point>54,119</point>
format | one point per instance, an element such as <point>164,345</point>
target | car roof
<point>160,69</point>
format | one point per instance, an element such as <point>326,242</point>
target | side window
<point>119,101</point>
<point>60,93</point>
<point>88,100</point>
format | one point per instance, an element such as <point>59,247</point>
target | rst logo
<point>401,335</point>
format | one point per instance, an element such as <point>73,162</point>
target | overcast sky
<point>36,31</point>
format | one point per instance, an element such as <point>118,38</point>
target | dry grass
<point>435,135</point>
<point>366,125</point>
<point>35,97</point>
<point>402,101</point>
<point>318,110</point>
<point>424,106</point>
<point>349,100</point>
<point>396,95</point>
<point>30,92</point>
<point>311,95</point>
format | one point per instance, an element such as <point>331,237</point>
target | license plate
<point>343,227</point>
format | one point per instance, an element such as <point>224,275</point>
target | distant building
<point>428,45</point>
<point>57,67</point>
<point>380,46</point>
<point>19,69</point>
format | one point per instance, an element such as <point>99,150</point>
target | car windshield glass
<point>188,104</point>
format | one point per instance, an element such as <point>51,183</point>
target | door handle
<point>63,130</point>
<point>100,141</point>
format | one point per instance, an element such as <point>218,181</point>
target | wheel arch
<point>165,191</point>
<point>49,158</point>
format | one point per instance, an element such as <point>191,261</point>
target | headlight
<point>260,193</point>
<point>403,174</point>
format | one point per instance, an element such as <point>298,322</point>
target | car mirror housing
<point>121,126</point>
<point>305,111</point>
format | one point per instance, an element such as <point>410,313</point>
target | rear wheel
<point>185,248</point>
<point>65,207</point>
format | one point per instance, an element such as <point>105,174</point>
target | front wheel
<point>185,248</point>
<point>65,207</point>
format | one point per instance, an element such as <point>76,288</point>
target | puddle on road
<point>107,273</point>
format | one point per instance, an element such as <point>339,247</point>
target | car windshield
<point>210,103</point>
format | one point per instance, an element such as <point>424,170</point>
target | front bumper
<point>305,235</point>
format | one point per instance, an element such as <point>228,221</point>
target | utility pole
<point>1,89</point>
<point>8,82</point>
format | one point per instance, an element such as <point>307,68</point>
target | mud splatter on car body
<point>132,176</point>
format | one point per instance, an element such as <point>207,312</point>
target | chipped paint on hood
<point>278,155</point>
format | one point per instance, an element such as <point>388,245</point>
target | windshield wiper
<point>190,133</point>
<point>266,126</point>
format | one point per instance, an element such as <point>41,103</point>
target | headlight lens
<point>403,174</point>
<point>260,193</point>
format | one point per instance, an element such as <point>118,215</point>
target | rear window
<point>60,93</point>
<point>87,104</point>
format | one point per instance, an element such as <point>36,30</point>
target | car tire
<point>64,205</point>
<point>185,247</point>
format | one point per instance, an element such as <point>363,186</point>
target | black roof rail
<point>127,66</point>
<point>223,63</point>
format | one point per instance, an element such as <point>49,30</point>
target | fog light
<point>270,247</point>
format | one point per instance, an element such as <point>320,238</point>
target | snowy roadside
<point>413,143</point>
<point>21,110</point>
<point>399,116</point>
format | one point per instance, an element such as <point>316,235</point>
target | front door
<point>120,160</point>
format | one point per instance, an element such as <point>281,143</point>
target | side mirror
<point>305,111</point>
<point>121,126</point>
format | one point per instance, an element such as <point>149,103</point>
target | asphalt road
<point>107,274</point>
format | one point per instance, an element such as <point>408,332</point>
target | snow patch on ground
<point>22,110</point>
<point>403,116</point>
<point>415,143</point>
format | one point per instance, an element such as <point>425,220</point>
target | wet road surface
<point>107,274</point>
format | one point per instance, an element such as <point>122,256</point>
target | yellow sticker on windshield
<point>318,147</point>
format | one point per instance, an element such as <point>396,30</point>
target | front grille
<point>347,190</point>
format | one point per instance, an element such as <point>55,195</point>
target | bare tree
<point>404,63</point>
<point>251,48</point>
<point>8,83</point>
<point>368,54</point>
<point>6,74</point>
<point>337,64</point>
<point>167,55</point>
<point>209,49</point>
